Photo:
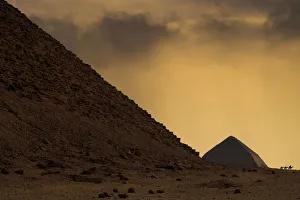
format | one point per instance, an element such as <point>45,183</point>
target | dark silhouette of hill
<point>57,111</point>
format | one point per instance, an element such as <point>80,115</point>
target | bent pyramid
<point>232,152</point>
<point>56,109</point>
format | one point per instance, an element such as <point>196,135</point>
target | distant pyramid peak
<point>232,152</point>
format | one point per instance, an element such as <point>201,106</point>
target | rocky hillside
<point>56,109</point>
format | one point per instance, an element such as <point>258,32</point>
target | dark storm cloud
<point>283,16</point>
<point>284,20</point>
<point>115,38</point>
<point>121,37</point>
<point>226,27</point>
<point>131,33</point>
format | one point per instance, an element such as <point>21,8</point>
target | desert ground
<point>209,183</point>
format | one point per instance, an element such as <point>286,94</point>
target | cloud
<point>284,19</point>
<point>264,18</point>
<point>117,37</point>
<point>132,33</point>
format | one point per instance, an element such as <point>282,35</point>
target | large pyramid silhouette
<point>232,152</point>
<point>54,108</point>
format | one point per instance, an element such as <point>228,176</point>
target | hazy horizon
<point>205,69</point>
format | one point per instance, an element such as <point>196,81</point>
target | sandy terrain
<point>210,183</point>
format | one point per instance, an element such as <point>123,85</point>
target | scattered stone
<point>54,164</point>
<point>258,181</point>
<point>223,175</point>
<point>123,156</point>
<point>131,190</point>
<point>168,167</point>
<point>106,194</point>
<point>235,175</point>
<point>115,190</point>
<point>19,171</point>
<point>123,178</point>
<point>152,176</point>
<point>4,171</point>
<point>178,179</point>
<point>272,172</point>
<point>101,196</point>
<point>41,166</point>
<point>254,170</point>
<point>89,171</point>
<point>50,173</point>
<point>96,161</point>
<point>45,141</point>
<point>122,196</point>
<point>237,191</point>
<point>151,192</point>
<point>86,172</point>
<point>160,191</point>
<point>78,178</point>
<point>220,184</point>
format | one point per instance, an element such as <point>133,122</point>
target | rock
<point>19,171</point>
<point>235,175</point>
<point>272,172</point>
<point>4,171</point>
<point>106,194</point>
<point>223,175</point>
<point>151,192</point>
<point>115,190</point>
<point>78,178</point>
<point>168,167</point>
<point>45,141</point>
<point>123,196</point>
<point>50,173</point>
<point>258,181</point>
<point>237,191</point>
<point>86,172</point>
<point>101,196</point>
<point>123,156</point>
<point>96,160</point>
<point>152,176</point>
<point>131,190</point>
<point>41,166</point>
<point>160,191</point>
<point>123,178</point>
<point>89,171</point>
<point>178,179</point>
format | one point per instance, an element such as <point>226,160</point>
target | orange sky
<point>206,83</point>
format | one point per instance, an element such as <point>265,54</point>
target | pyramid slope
<point>55,107</point>
<point>232,152</point>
